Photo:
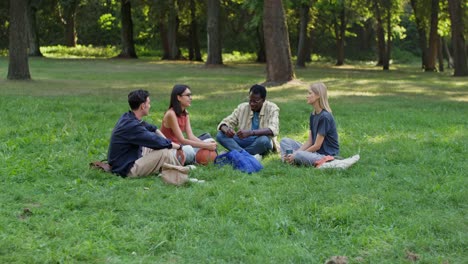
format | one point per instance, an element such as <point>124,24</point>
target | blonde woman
<point>322,143</point>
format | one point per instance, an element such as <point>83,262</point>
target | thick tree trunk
<point>18,67</point>
<point>458,39</point>
<point>430,65</point>
<point>278,52</point>
<point>302,43</point>
<point>33,38</point>
<point>194,42</point>
<point>214,33</point>
<point>128,45</point>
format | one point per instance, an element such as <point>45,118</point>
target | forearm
<point>262,132</point>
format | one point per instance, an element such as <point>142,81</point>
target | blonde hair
<point>321,90</point>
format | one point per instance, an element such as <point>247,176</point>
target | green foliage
<point>405,197</point>
<point>79,51</point>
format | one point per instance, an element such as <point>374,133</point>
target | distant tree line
<point>434,30</point>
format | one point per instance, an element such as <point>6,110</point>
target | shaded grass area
<point>406,197</point>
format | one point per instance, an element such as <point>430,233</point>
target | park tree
<point>426,14</point>
<point>33,35</point>
<point>18,67</point>
<point>457,10</point>
<point>278,52</point>
<point>194,40</point>
<point>303,44</point>
<point>168,24</point>
<point>128,44</point>
<point>68,9</point>
<point>214,48</point>
<point>334,14</point>
<point>250,19</point>
<point>386,14</point>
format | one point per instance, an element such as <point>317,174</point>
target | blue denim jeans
<point>300,157</point>
<point>253,145</point>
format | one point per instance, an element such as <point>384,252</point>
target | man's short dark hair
<point>258,89</point>
<point>136,98</point>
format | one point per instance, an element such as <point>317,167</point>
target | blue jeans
<point>300,157</point>
<point>253,145</point>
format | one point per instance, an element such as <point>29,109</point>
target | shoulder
<point>327,116</point>
<point>270,106</point>
<point>170,114</point>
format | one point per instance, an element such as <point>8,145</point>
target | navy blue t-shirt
<point>324,124</point>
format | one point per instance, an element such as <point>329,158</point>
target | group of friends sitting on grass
<point>139,149</point>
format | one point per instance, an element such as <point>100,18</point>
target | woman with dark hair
<point>176,122</point>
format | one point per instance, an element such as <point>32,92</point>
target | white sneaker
<point>191,167</point>
<point>340,164</point>
<point>258,157</point>
<point>195,180</point>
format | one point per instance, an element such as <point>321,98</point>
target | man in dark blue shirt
<point>131,134</point>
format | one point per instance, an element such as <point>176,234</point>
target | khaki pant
<point>152,161</point>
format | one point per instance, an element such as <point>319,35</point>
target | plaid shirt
<point>241,118</point>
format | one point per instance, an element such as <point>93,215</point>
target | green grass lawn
<point>405,201</point>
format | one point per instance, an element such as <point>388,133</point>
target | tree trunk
<point>386,62</point>
<point>340,29</point>
<point>33,38</point>
<point>278,52</point>
<point>380,36</point>
<point>421,34</point>
<point>456,10</point>
<point>194,42</point>
<point>214,33</point>
<point>18,67</point>
<point>302,43</point>
<point>172,52</point>
<point>430,65</point>
<point>128,45</point>
<point>69,21</point>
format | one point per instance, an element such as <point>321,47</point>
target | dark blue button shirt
<point>128,138</point>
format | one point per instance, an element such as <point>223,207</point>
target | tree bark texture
<point>456,10</point>
<point>214,33</point>
<point>303,39</point>
<point>278,52</point>
<point>128,44</point>
<point>18,67</point>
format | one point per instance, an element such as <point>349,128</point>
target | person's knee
<point>285,143</point>
<point>220,136</point>
<point>265,142</point>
